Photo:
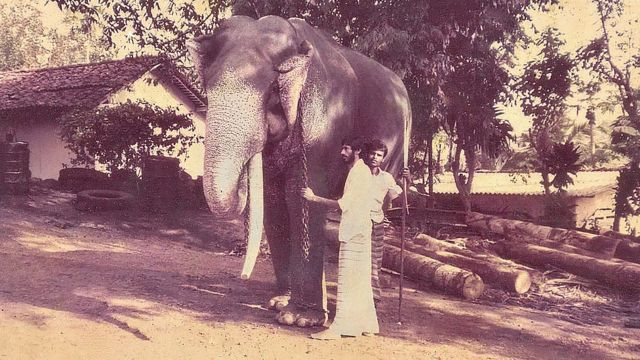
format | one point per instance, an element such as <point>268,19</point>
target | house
<point>32,100</point>
<point>520,195</point>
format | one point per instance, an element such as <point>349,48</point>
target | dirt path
<point>133,286</point>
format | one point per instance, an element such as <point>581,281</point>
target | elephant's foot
<point>279,302</point>
<point>295,316</point>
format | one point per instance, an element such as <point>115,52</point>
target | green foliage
<point>562,161</point>
<point>627,199</point>
<point>558,211</point>
<point>546,83</point>
<point>544,89</point>
<point>23,36</point>
<point>448,53</point>
<point>28,43</point>
<point>602,58</point>
<point>121,136</point>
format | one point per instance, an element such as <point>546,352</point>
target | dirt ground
<point>128,285</point>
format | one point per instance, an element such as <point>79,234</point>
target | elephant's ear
<point>197,51</point>
<point>291,78</point>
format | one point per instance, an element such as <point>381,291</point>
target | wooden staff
<point>405,211</point>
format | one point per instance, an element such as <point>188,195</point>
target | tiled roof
<point>586,183</point>
<point>83,85</point>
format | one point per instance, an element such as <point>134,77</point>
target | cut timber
<point>629,251</point>
<point>435,273</point>
<point>506,278</point>
<point>595,243</point>
<point>621,236</point>
<point>516,238</point>
<point>619,274</point>
<point>434,244</point>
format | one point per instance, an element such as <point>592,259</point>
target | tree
<point>421,41</point>
<point>27,43</point>
<point>23,38</point>
<point>77,44</point>
<point>473,122</point>
<point>544,88</point>
<point>603,58</point>
<point>121,136</point>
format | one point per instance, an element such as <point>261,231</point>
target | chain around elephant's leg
<point>279,302</point>
<point>302,316</point>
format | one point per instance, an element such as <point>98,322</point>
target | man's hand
<point>406,174</point>
<point>308,194</point>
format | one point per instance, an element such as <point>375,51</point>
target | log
<point>434,244</point>
<point>506,278</point>
<point>434,273</point>
<point>629,251</point>
<point>514,238</point>
<point>621,236</point>
<point>619,274</point>
<point>595,243</point>
<point>629,247</point>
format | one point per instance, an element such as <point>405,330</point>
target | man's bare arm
<point>308,194</point>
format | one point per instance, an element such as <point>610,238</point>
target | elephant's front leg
<point>277,231</point>
<point>307,306</point>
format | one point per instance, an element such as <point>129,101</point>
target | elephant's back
<point>377,99</point>
<point>383,105</point>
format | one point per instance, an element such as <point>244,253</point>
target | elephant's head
<point>253,72</point>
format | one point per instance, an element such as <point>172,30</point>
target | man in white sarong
<point>385,190</point>
<point>355,311</point>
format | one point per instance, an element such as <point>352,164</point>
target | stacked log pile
<point>445,277</point>
<point>610,258</point>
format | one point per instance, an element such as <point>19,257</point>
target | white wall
<point>152,89</point>
<point>47,151</point>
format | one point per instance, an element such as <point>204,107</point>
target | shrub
<point>121,136</point>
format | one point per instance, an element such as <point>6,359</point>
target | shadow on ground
<point>106,272</point>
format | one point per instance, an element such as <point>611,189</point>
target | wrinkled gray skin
<point>261,76</point>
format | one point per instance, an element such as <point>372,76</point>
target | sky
<point>576,19</point>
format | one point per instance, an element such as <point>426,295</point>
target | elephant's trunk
<point>234,142</point>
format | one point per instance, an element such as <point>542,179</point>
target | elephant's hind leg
<point>277,231</point>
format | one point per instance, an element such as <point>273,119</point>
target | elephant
<point>281,96</point>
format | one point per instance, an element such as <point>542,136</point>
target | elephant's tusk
<point>256,214</point>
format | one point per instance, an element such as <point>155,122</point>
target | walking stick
<point>405,211</point>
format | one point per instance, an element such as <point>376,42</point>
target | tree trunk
<point>434,244</point>
<point>430,148</point>
<point>517,281</point>
<point>434,273</point>
<point>615,274</point>
<point>546,184</point>
<point>616,221</point>
<point>460,183</point>
<point>603,245</point>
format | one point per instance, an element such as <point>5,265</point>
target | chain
<point>304,180</point>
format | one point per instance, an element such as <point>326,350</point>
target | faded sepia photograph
<point>320,179</point>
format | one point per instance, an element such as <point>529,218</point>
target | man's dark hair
<point>377,145</point>
<point>355,142</point>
